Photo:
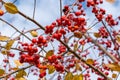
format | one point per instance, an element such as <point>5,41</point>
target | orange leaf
<point>78,67</point>
<point>78,34</point>
<point>89,61</point>
<point>97,35</point>
<point>113,66</point>
<point>114,75</point>
<point>110,1</point>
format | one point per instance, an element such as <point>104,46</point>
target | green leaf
<point>51,69</point>
<point>4,38</point>
<point>49,53</point>
<point>2,72</point>
<point>20,74</point>
<point>11,8</point>
<point>69,76</point>
<point>9,44</point>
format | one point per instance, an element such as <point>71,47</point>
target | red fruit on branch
<point>1,12</point>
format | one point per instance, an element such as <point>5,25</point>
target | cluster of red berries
<point>103,32</point>
<point>55,61</point>
<point>93,2</point>
<point>61,49</point>
<point>58,34</point>
<point>111,22</point>
<point>66,9</point>
<point>49,29</point>
<point>30,54</point>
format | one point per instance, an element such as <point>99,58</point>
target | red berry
<point>1,12</point>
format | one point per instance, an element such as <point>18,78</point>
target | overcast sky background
<point>47,11</point>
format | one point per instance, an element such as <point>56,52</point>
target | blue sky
<point>47,11</point>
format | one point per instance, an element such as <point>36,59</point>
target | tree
<point>67,49</point>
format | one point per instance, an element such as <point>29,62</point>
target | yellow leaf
<point>118,39</point>
<point>17,62</point>
<point>22,78</point>
<point>89,61</point>
<point>78,67</point>
<point>97,35</point>
<point>78,34</point>
<point>11,8</point>
<point>69,76</point>
<point>2,72</point>
<point>114,75</point>
<point>78,77</point>
<point>20,74</point>
<point>51,69</point>
<point>34,33</point>
<point>4,38</point>
<point>9,44</point>
<point>75,47</point>
<point>113,66</point>
<point>110,1</point>
<point>4,52</point>
<point>49,53</point>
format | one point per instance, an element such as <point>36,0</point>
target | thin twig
<point>34,9</point>
<point>15,71</point>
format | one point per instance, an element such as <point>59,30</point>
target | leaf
<point>15,68</point>
<point>113,66</point>
<point>75,47</point>
<point>68,76</point>
<point>11,8</point>
<point>97,35</point>
<point>77,66</point>
<point>118,39</point>
<point>110,1</point>
<point>49,53</point>
<point>20,74</point>
<point>9,44</point>
<point>90,61</point>
<point>4,38</point>
<point>17,62</point>
<point>22,78</point>
<point>51,69</point>
<point>34,33</point>
<point>2,72</point>
<point>114,75</point>
<point>78,34</point>
<point>78,77</point>
<point>4,52</point>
